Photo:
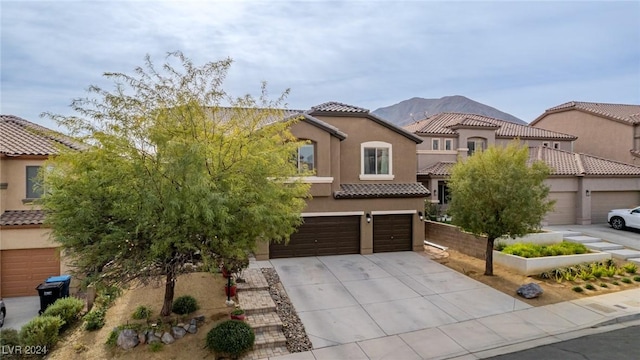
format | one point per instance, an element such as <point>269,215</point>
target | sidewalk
<point>494,335</point>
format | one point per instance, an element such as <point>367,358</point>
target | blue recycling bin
<point>65,279</point>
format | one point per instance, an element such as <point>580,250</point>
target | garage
<point>392,233</point>
<point>322,235</point>
<point>23,270</point>
<point>603,201</point>
<point>564,211</point>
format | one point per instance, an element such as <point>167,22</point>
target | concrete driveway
<point>348,298</point>
<point>20,310</point>
<point>629,238</point>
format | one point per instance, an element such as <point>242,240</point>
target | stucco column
<point>366,234</point>
<point>583,202</point>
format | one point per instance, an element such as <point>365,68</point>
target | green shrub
<point>231,337</point>
<point>499,245</point>
<point>9,339</point>
<point>156,346</point>
<point>185,305</point>
<point>604,285</point>
<point>590,287</point>
<point>529,250</point>
<point>94,319</point>
<point>577,289</point>
<point>636,278</point>
<point>67,308</point>
<point>142,312</point>
<point>626,280</point>
<point>616,283</point>
<point>41,331</point>
<point>112,339</point>
<point>106,295</point>
<point>630,268</point>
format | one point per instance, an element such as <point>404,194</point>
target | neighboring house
<point>365,198</point>
<point>585,187</point>
<point>610,131</point>
<point>27,255</point>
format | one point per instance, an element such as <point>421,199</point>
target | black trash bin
<point>65,279</point>
<point>49,293</point>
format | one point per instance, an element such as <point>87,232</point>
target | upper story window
<point>476,144</point>
<point>376,161</point>
<point>435,144</point>
<point>556,145</point>
<point>34,190</point>
<point>545,144</point>
<point>306,158</point>
<point>448,144</point>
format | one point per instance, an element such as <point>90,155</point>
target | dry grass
<point>208,289</point>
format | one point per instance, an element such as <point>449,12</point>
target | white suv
<point>621,218</point>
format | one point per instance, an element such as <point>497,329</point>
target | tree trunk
<point>168,294</point>
<point>488,266</point>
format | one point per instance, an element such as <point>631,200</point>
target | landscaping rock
<point>199,318</point>
<point>178,332</point>
<point>142,338</point>
<point>128,339</point>
<point>530,290</point>
<point>152,338</point>
<point>192,329</point>
<point>167,338</point>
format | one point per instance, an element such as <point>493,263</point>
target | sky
<point>521,57</point>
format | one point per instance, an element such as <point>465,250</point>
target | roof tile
<point>334,106</point>
<point>397,190</point>
<point>22,217</point>
<point>444,124</point>
<point>21,137</point>
<point>623,112</point>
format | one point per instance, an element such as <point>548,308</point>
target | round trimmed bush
<point>94,319</point>
<point>41,331</point>
<point>68,309</point>
<point>185,305</point>
<point>231,337</point>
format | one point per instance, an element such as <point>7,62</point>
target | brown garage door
<point>392,233</point>
<point>23,270</point>
<point>603,201</point>
<point>323,235</point>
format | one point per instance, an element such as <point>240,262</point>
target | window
<point>34,190</point>
<point>443,193</point>
<point>475,144</point>
<point>545,144</point>
<point>435,144</point>
<point>448,144</point>
<point>306,158</point>
<point>376,161</point>
<point>556,145</point>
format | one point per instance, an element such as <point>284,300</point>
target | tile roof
<point>360,191</point>
<point>562,163</point>
<point>21,137</point>
<point>442,168</point>
<point>334,106</point>
<point>445,124</point>
<point>22,217</point>
<point>621,112</point>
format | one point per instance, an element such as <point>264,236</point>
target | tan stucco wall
<point>596,135</point>
<point>29,238</point>
<point>14,173</point>
<point>361,130</point>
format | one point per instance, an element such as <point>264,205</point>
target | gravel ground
<point>297,339</point>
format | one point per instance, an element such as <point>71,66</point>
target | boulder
<point>530,291</point>
<point>167,338</point>
<point>152,338</point>
<point>178,332</point>
<point>128,339</point>
<point>192,329</point>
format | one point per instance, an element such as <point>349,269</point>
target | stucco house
<point>27,255</point>
<point>365,198</point>
<point>585,187</point>
<point>610,131</point>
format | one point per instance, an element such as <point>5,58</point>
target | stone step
<point>264,322</point>
<point>256,302</point>
<point>269,340</point>
<point>603,246</point>
<point>261,354</point>
<point>566,233</point>
<point>254,280</point>
<point>624,254</point>
<point>635,260</point>
<point>582,239</point>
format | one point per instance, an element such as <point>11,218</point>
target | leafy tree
<point>498,192</point>
<point>171,176</point>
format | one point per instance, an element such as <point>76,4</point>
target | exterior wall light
<point>368,216</point>
<point>420,215</point>
<point>588,193</point>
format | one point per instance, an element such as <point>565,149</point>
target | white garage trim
<point>393,212</point>
<point>338,213</point>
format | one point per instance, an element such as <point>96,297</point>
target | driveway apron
<point>348,298</point>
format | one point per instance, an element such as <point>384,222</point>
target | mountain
<point>414,109</point>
